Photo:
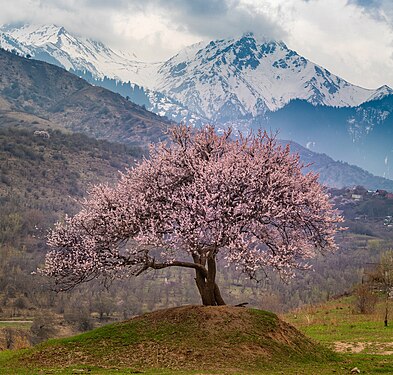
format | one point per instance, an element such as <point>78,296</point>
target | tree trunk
<point>207,287</point>
<point>386,310</point>
<point>205,270</point>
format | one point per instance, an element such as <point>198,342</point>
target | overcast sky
<point>351,38</point>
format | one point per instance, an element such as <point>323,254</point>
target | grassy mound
<point>188,337</point>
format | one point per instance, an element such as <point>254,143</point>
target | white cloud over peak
<point>352,38</point>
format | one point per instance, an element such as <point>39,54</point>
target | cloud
<point>74,15</point>
<point>367,3</point>
<point>352,38</point>
<point>160,23</point>
<point>343,36</point>
<point>381,10</point>
<point>199,7</point>
<point>224,18</point>
<point>210,18</point>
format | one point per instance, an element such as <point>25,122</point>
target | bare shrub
<point>13,338</point>
<point>43,328</point>
<point>365,299</point>
<point>80,318</point>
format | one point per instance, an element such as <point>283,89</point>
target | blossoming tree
<point>200,197</point>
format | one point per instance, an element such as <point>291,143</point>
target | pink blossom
<point>200,196</point>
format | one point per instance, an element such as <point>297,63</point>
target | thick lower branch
<point>158,266</point>
<point>196,266</point>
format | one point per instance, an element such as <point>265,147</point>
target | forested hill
<point>40,181</point>
<point>41,177</point>
<point>37,93</point>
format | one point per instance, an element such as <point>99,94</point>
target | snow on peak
<point>35,34</point>
<point>247,76</point>
<point>223,80</point>
<point>380,93</point>
<point>56,45</point>
<point>11,44</point>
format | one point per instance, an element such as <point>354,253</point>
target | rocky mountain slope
<point>41,94</point>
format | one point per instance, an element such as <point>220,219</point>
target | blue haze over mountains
<point>360,135</point>
<point>246,83</point>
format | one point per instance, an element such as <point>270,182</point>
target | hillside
<point>40,179</point>
<point>183,338</point>
<point>36,93</point>
<point>45,173</point>
<point>338,174</point>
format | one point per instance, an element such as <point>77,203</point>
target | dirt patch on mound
<point>187,337</point>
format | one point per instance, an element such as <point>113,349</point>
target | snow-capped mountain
<point>220,81</point>
<point>246,82</point>
<point>380,93</point>
<point>240,78</point>
<point>77,53</point>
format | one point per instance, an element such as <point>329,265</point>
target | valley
<point>75,113</point>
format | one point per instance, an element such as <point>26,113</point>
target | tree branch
<point>177,263</point>
<point>158,266</point>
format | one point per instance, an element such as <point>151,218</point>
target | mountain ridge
<point>261,74</point>
<point>260,77</point>
<point>357,135</point>
<point>75,53</point>
<point>39,94</point>
<point>47,95</point>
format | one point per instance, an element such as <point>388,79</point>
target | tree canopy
<point>201,196</point>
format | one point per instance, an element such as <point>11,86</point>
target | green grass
<point>366,363</point>
<point>335,321</point>
<point>351,332</point>
<point>335,325</point>
<point>327,324</point>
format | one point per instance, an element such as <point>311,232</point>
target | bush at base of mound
<point>188,337</point>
